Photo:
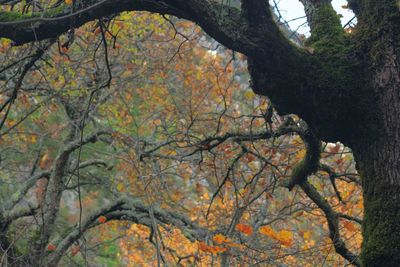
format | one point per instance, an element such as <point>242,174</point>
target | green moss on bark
<point>378,27</point>
<point>13,16</point>
<point>381,246</point>
<point>341,76</point>
<point>331,44</point>
<point>326,26</point>
<point>9,16</point>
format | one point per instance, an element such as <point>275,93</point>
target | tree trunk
<point>379,165</point>
<point>378,154</point>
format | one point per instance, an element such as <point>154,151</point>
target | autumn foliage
<point>173,96</point>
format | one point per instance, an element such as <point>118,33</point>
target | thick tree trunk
<point>378,154</point>
<point>379,165</point>
<point>378,162</point>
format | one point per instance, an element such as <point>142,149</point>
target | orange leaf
<point>210,249</point>
<point>284,237</point>
<point>75,250</point>
<point>51,247</point>
<point>220,238</point>
<point>97,31</point>
<point>349,226</point>
<point>102,219</point>
<point>203,246</point>
<point>217,249</point>
<point>45,162</point>
<point>244,228</point>
<point>267,230</point>
<point>64,49</point>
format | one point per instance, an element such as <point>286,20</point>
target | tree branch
<point>129,210</point>
<point>301,171</point>
<point>256,12</point>
<point>309,164</point>
<point>287,74</point>
<point>333,223</point>
<point>56,185</point>
<point>17,196</point>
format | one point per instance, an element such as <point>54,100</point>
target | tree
<point>344,87</point>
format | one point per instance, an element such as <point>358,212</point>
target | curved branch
<point>129,210</point>
<point>223,26</point>
<point>309,164</point>
<point>290,76</point>
<point>55,186</point>
<point>224,23</point>
<point>333,223</point>
<point>350,218</point>
<point>305,168</point>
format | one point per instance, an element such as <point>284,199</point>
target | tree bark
<point>378,155</point>
<point>379,165</point>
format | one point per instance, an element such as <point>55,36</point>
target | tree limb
<point>333,223</point>
<point>129,210</point>
<point>55,186</point>
<point>305,168</point>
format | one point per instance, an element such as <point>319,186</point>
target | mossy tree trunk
<point>363,71</point>
<point>378,154</point>
<point>379,168</point>
<point>378,162</point>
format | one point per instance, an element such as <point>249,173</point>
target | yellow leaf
<point>300,154</point>
<point>172,153</point>
<point>307,235</point>
<point>249,95</point>
<point>68,2</point>
<point>157,122</point>
<point>254,165</point>
<point>267,230</point>
<point>205,196</point>
<point>33,139</point>
<point>285,238</point>
<point>120,186</point>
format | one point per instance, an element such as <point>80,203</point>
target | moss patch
<point>381,246</point>
<point>9,16</point>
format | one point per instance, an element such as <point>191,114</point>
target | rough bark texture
<point>378,156</point>
<point>347,89</point>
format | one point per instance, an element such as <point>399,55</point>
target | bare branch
<point>129,210</point>
<point>56,185</point>
<point>17,196</point>
<point>333,223</point>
